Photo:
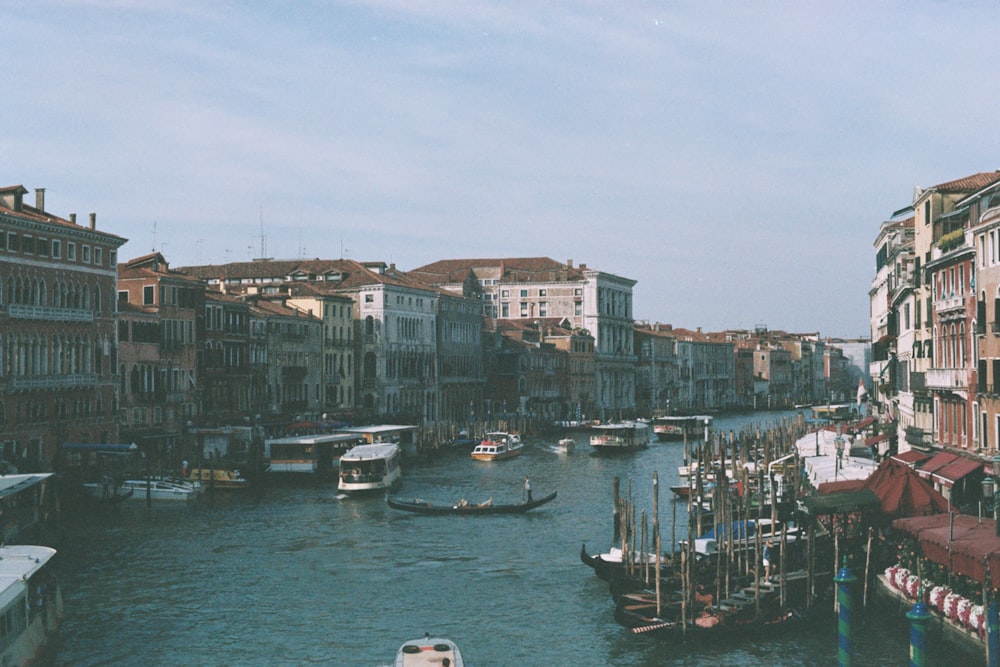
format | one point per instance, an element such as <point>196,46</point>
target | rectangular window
<point>543,308</point>
<point>71,251</point>
<point>524,293</point>
<point>85,254</point>
<point>504,293</point>
<point>98,256</point>
<point>112,258</point>
<point>542,292</point>
<point>56,249</point>
<point>13,243</point>
<point>147,295</point>
<point>524,309</point>
<point>28,245</point>
<point>42,247</point>
<point>123,296</point>
<point>369,298</point>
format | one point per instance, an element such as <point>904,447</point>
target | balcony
<point>947,379</point>
<point>49,314</point>
<point>918,436</point>
<point>53,381</point>
<point>949,304</point>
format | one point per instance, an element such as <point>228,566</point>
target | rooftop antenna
<point>263,246</point>
<point>154,236</point>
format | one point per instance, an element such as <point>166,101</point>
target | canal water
<point>295,575</point>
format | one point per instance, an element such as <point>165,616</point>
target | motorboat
<point>678,427</point>
<point>370,468</point>
<point>498,445</point>
<point>566,445</point>
<point>620,436</point>
<point>106,492</point>
<point>464,507</point>
<point>32,606</point>
<point>429,652</point>
<point>163,488</point>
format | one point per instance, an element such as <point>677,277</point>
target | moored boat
<point>106,492</point>
<point>676,427</point>
<point>219,479</point>
<point>429,652</point>
<point>32,602</point>
<point>497,446</point>
<point>464,507</point>
<point>368,468</point>
<point>162,489</point>
<point>620,436</point>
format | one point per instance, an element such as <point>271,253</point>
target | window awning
<point>955,471</point>
<point>939,461</point>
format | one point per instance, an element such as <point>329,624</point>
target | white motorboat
<point>429,652</point>
<point>498,445</point>
<point>566,445</point>
<point>162,489</point>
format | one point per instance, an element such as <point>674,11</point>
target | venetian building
<point>892,326</point>
<point>942,222</point>
<point>58,338</point>
<point>985,234</point>
<point>159,312</point>
<point>536,288</point>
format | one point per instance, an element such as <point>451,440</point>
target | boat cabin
<point>370,468</point>
<point>308,454</point>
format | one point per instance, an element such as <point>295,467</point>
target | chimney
<point>93,221</point>
<point>40,199</point>
<point>72,218</point>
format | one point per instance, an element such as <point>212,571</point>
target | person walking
<point>527,489</point>
<point>767,558</point>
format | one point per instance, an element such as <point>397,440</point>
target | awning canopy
<point>956,470</point>
<point>935,464</point>
<point>911,456</point>
<point>864,423</point>
<point>963,546</point>
<point>875,439</point>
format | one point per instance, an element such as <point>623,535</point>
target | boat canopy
<point>95,447</point>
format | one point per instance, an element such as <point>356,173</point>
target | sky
<point>736,159</point>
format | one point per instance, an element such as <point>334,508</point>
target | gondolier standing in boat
<point>767,559</point>
<point>527,489</point>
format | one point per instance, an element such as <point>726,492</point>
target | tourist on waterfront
<point>527,489</point>
<point>767,559</point>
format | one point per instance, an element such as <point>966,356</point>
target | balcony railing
<point>947,378</point>
<point>22,312</point>
<point>949,303</point>
<point>52,381</point>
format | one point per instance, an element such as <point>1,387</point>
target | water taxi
<point>498,445</point>
<point>368,468</point>
<point>32,602</point>
<point>566,445</point>
<point>429,652</point>
<point>678,427</point>
<point>620,436</point>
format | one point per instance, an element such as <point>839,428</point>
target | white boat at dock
<point>678,427</point>
<point>32,603</point>
<point>165,489</point>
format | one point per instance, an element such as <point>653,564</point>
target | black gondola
<point>464,508</point>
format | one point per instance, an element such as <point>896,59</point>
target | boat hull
<point>424,507</point>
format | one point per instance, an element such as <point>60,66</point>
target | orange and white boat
<point>498,445</point>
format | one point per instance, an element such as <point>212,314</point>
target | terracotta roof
<point>512,269</point>
<point>33,214</point>
<point>969,183</point>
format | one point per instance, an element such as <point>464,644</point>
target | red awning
<point>955,471</point>
<point>911,456</point>
<point>935,464</point>
<point>875,439</point>
<point>960,542</point>
<point>864,423</point>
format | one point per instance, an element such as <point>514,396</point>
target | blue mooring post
<point>919,616</point>
<point>993,634</point>
<point>845,650</point>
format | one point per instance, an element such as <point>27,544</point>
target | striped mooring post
<point>919,616</point>
<point>845,650</point>
<point>993,634</point>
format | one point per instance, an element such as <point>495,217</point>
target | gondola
<point>463,507</point>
